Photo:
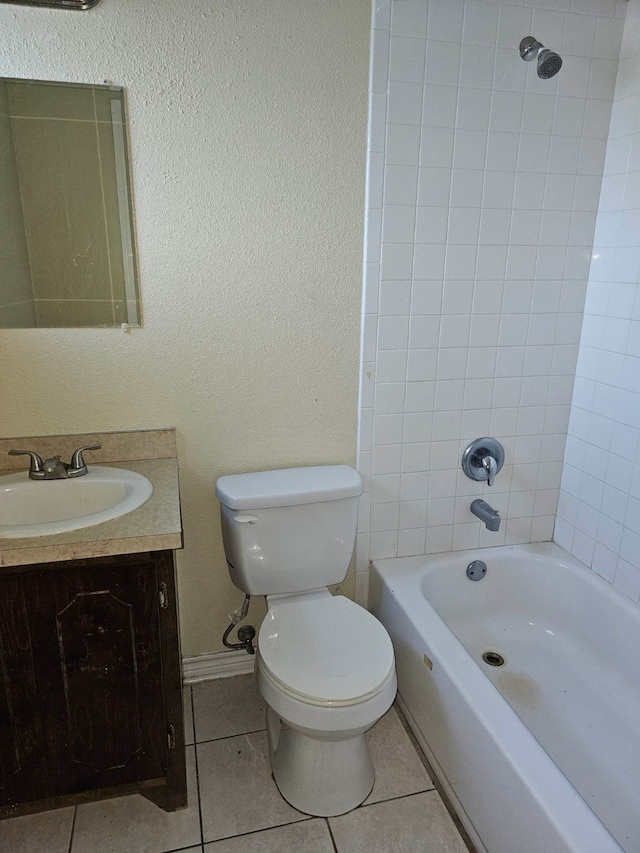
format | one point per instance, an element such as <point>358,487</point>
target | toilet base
<point>319,777</point>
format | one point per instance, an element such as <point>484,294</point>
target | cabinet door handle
<point>162,595</point>
<point>171,736</point>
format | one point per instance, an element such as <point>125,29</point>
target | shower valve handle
<point>491,467</point>
<point>483,459</point>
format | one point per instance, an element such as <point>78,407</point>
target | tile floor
<point>234,805</point>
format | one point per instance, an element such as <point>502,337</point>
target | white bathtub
<point>541,755</point>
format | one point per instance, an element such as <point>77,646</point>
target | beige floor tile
<point>416,824</point>
<point>399,770</point>
<point>311,836</point>
<point>189,737</point>
<point>45,832</point>
<point>135,825</point>
<point>237,792</point>
<point>227,707</point>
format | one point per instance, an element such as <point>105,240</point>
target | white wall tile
<point>400,184</point>
<point>409,18</point>
<point>406,59</point>
<point>443,63</point>
<point>428,261</point>
<point>579,35</point>
<point>476,67</point>
<point>627,578</point>
<point>480,23</point>
<point>434,185</point>
<point>445,20</point>
<point>404,102</point>
<point>396,261</point>
<point>436,147</point>
<point>431,224</point>
<point>506,113</point>
<point>439,105</point>
<point>402,145</point>
<point>502,150</point>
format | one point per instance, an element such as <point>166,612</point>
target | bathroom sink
<point>43,507</point>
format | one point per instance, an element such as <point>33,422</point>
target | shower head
<point>549,63</point>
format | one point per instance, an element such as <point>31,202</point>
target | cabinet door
<point>23,764</point>
<point>98,663</point>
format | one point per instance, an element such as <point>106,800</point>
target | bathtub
<point>541,754</point>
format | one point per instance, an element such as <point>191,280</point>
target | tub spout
<point>487,514</point>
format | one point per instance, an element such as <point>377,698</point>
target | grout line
<point>73,826</point>
<point>305,819</point>
<point>333,841</point>
<point>436,783</point>
<point>195,755</point>
<point>228,737</point>
<point>193,712</point>
<point>366,805</point>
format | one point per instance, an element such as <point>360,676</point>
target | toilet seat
<point>325,650</point>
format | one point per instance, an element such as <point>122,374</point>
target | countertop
<point>154,526</point>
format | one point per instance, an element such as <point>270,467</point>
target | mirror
<point>66,237</point>
<point>57,4</point>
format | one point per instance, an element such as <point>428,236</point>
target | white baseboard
<point>218,665</point>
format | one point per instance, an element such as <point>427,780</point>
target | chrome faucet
<point>487,514</point>
<point>54,468</point>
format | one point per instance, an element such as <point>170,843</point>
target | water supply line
<point>245,634</point>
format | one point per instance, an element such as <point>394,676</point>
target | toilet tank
<point>290,530</point>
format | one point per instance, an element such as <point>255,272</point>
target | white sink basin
<point>43,507</point>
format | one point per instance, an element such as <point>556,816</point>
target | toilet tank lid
<point>288,487</point>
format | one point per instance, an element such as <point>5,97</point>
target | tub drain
<point>493,659</point>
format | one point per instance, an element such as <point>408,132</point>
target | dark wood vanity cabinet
<point>90,683</point>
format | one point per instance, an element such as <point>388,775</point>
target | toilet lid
<point>326,649</point>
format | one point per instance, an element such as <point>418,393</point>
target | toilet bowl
<point>324,665</point>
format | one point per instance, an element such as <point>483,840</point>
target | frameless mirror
<point>66,238</point>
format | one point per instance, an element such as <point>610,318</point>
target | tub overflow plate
<point>476,570</point>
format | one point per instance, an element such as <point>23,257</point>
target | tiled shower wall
<point>483,187</point>
<point>599,509</point>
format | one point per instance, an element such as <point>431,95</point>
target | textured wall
<point>248,127</point>
<point>599,507</point>
<point>483,188</point>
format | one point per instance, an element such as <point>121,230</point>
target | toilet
<point>324,665</point>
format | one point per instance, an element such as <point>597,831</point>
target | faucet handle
<point>483,459</point>
<point>35,465</point>
<point>491,467</point>
<point>77,460</point>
